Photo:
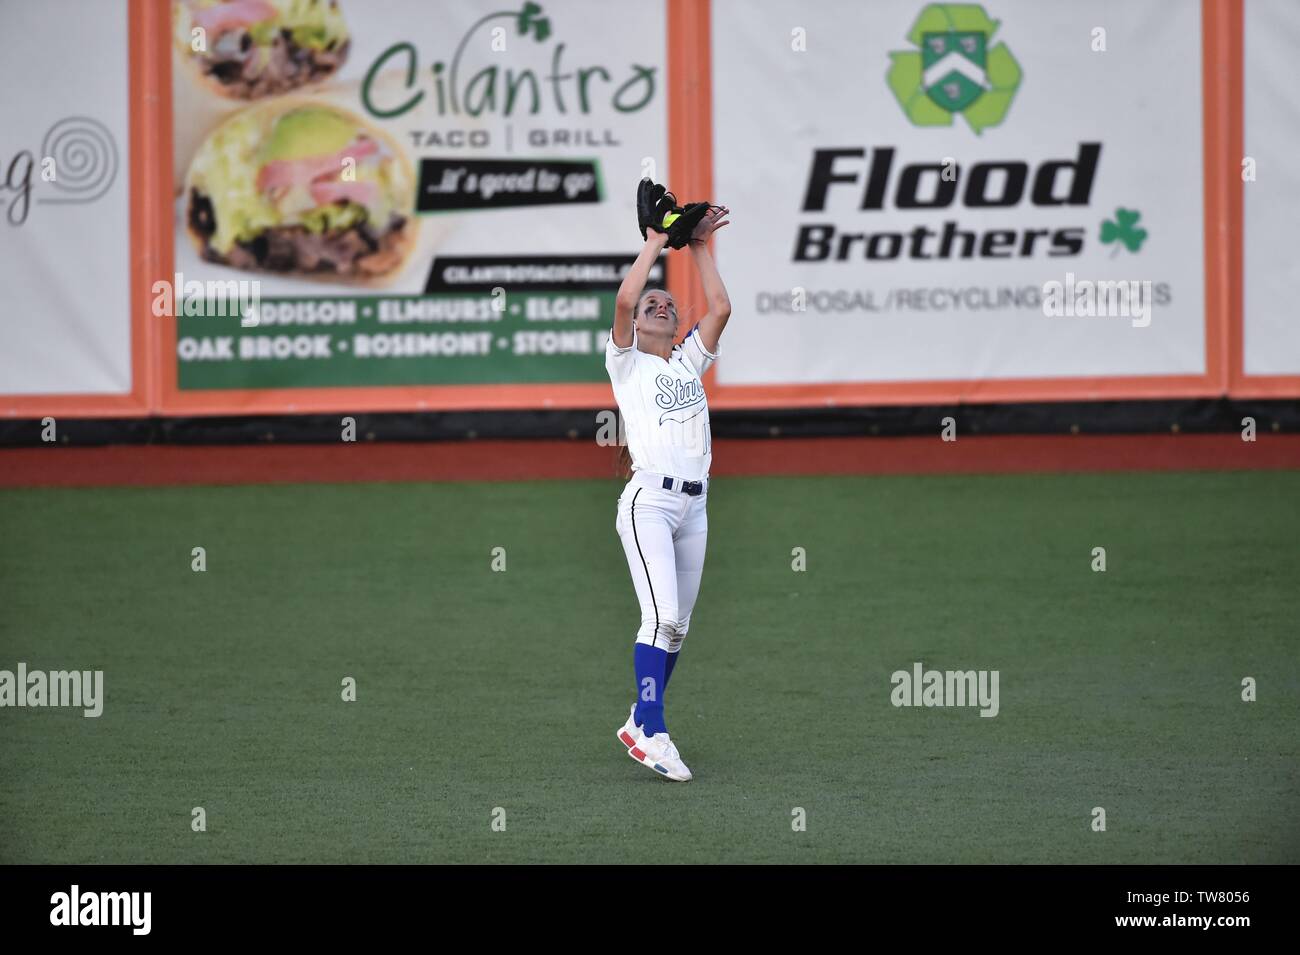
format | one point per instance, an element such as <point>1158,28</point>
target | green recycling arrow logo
<point>956,69</point>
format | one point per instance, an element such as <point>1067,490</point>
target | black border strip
<point>922,904</point>
<point>1201,415</point>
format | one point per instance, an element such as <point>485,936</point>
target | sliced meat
<point>239,257</point>
<point>362,193</point>
<point>281,173</point>
<point>281,253</point>
<point>223,17</point>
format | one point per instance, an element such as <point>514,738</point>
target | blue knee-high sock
<point>651,664</point>
<point>668,668</point>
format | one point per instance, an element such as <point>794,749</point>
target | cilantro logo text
<point>956,70</point>
<point>393,86</point>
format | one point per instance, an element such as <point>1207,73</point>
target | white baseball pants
<point>663,534</point>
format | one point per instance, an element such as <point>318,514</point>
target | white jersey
<point>662,405</point>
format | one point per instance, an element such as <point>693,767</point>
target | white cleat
<point>629,734</point>
<point>659,753</point>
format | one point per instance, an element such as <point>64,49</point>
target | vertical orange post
<point>150,202</point>
<point>1221,90</point>
<point>1226,34</point>
<point>690,134</point>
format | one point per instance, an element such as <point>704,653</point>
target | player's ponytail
<point>623,463</point>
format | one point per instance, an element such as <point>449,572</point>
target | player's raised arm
<point>715,293</point>
<point>629,292</point>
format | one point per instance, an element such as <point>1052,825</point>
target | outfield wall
<point>909,182</point>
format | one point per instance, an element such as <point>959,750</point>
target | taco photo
<point>299,187</point>
<point>248,49</point>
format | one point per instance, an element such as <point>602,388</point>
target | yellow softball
<point>670,218</point>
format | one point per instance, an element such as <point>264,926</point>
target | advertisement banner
<point>959,192</point>
<point>407,194</point>
<point>1270,186</point>
<point>287,207</point>
<point>65,326</point>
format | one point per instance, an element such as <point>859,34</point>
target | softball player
<point>662,520</point>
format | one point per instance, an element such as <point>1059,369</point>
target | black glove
<point>680,229</point>
<point>653,202</point>
<point>657,210</point>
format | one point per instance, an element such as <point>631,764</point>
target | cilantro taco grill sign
<point>480,134</point>
<point>940,168</point>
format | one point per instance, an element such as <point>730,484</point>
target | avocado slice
<point>309,131</point>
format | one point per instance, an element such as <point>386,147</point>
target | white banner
<point>65,326</point>
<point>915,187</point>
<point>1271,334</point>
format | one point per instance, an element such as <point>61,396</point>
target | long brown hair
<point>623,463</point>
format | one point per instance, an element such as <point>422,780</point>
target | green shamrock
<point>525,22</point>
<point>1124,230</point>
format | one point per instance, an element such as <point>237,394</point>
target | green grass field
<point>479,690</point>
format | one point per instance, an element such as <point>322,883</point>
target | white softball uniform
<point>662,517</point>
